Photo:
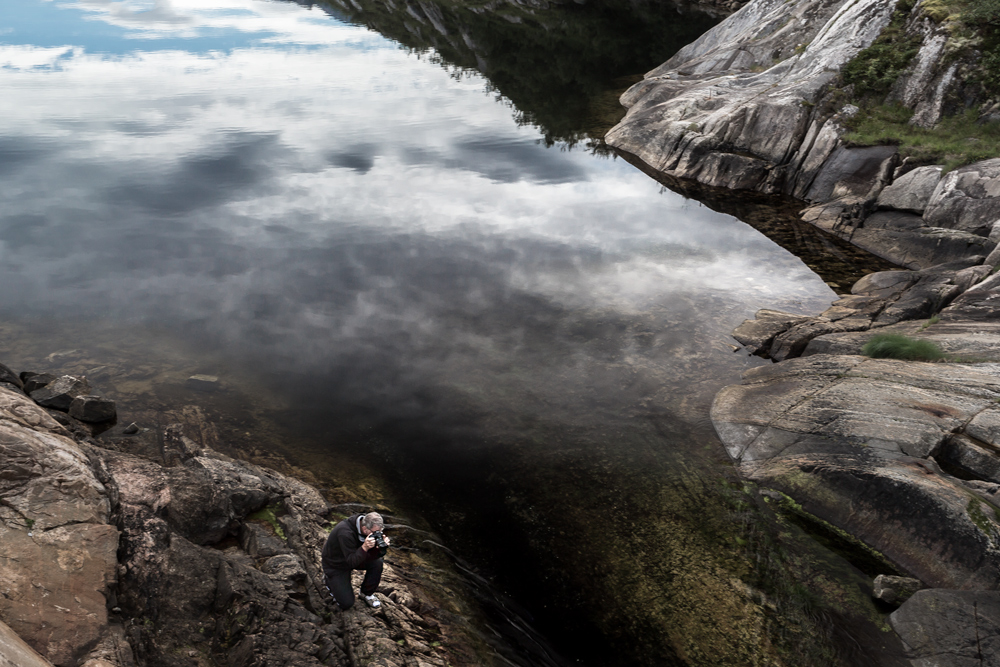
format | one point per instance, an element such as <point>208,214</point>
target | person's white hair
<point>372,521</point>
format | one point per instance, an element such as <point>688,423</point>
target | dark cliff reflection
<point>562,65</point>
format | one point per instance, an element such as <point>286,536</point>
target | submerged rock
<point>851,439</point>
<point>203,382</point>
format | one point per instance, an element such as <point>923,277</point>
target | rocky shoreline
<point>902,457</point>
<point>128,546</point>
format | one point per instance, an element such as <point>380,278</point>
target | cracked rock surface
<point>854,439</point>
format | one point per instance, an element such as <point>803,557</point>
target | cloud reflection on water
<point>343,201</point>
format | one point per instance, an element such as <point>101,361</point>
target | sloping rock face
<point>57,550</point>
<point>111,559</point>
<point>706,114</point>
<point>853,439</point>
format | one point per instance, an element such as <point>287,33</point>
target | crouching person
<point>353,544</point>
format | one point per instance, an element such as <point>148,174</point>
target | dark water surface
<point>428,286</point>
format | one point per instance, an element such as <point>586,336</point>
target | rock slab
<point>949,628</point>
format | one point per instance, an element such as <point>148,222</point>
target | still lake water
<point>393,232</point>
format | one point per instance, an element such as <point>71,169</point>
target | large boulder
<point>851,438</point>
<point>204,500</point>
<point>967,199</point>
<point>59,393</point>
<point>912,191</point>
<point>949,628</point>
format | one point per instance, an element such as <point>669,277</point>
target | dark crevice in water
<point>835,260</point>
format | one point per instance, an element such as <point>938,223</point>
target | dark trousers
<point>339,583</point>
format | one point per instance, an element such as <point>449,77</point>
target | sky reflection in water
<point>184,184</point>
<point>307,196</point>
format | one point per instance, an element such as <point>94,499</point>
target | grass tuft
<point>896,346</point>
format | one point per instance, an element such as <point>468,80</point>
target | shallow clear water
<point>433,281</point>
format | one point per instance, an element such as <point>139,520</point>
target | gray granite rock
<point>59,393</point>
<point>758,334</point>
<point>895,590</point>
<point>903,238</point>
<point>967,199</point>
<point>911,191</point>
<point>92,409</point>
<point>971,458</point>
<point>705,115</point>
<point>793,342</point>
<point>950,628</point>
<point>884,284</point>
<point>963,341</point>
<point>849,438</point>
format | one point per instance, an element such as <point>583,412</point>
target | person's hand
<point>369,543</point>
<point>386,538</point>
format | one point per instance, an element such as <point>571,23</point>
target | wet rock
<point>92,409</point>
<point>15,652</point>
<point>950,628</point>
<point>203,382</point>
<point>849,438</point>
<point>912,191</point>
<point>895,590</point>
<point>34,381</point>
<point>758,334</point>
<point>10,379</point>
<point>59,393</point>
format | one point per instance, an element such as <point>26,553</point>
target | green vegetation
<point>974,26</point>
<point>975,512</point>
<point>896,346</point>
<point>269,515</point>
<point>953,142</point>
<point>875,69</point>
<point>933,320</point>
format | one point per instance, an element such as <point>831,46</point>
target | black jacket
<point>343,551</point>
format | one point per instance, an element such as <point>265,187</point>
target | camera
<point>379,540</point>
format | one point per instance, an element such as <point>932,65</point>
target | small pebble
<point>131,429</point>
